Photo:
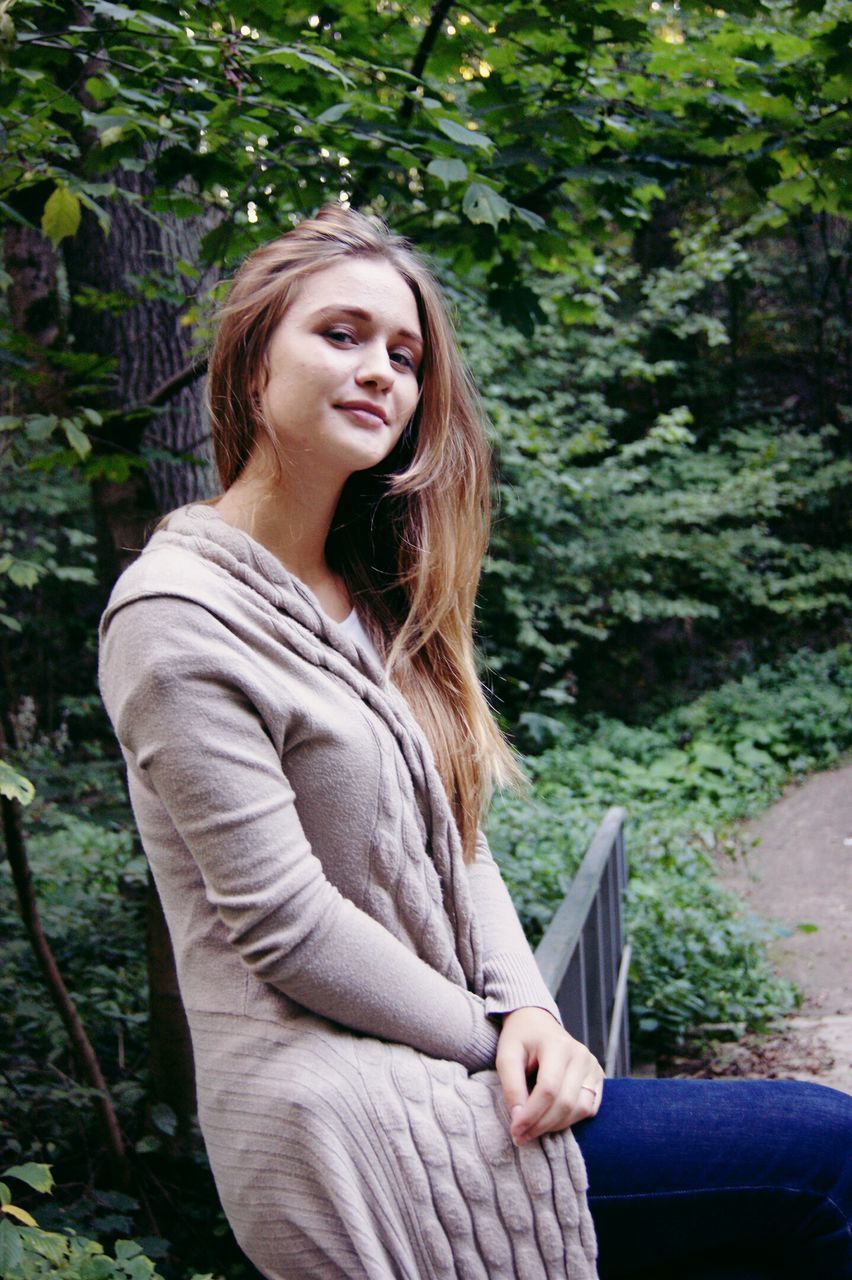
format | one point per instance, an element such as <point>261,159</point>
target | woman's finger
<point>567,1075</point>
<point>512,1069</point>
<point>555,1098</point>
<point>578,1098</point>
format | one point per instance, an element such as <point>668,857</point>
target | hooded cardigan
<point>340,965</point>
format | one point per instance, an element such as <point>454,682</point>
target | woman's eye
<point>404,360</point>
<point>339,335</point>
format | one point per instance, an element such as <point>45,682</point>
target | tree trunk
<point>147,345</point>
<point>170,1050</point>
<point>34,313</point>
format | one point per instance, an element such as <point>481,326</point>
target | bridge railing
<point>583,955</point>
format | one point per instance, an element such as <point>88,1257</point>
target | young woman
<point>385,1088</point>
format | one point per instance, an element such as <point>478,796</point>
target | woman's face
<point>343,367</point>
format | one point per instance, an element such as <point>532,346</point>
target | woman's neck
<point>293,526</point>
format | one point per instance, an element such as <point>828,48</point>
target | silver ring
<point>589,1089</point>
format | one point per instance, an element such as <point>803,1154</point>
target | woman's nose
<point>375,368</point>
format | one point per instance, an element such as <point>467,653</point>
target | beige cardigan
<point>339,963</point>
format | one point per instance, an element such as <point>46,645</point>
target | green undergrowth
<point>90,881</point>
<point>28,1250</point>
<point>90,884</point>
<point>699,957</point>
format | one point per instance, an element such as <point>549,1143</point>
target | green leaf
<point>127,1249</point>
<point>465,137</point>
<point>532,219</point>
<point>671,765</point>
<point>805,927</point>
<point>40,426</point>
<point>37,1176</point>
<point>752,756</point>
<point>484,204</point>
<point>14,786</point>
<point>15,1211</point>
<point>333,113</point>
<point>447,170</point>
<point>77,438</point>
<point>47,1244</point>
<point>711,756</point>
<point>5,1194</point>
<point>23,573</point>
<point>104,219</point>
<point>147,1145</point>
<point>98,1268</point>
<point>11,1249</point>
<point>290,54</point>
<point>61,216</point>
<point>75,573</point>
<point>98,89</point>
<point>122,13</point>
<point>164,1119</point>
<point>139,1268</point>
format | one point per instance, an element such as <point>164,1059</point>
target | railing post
<point>582,957</point>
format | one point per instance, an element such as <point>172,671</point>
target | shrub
<point>28,1251</point>
<point>699,956</point>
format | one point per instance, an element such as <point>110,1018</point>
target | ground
<point>797,871</point>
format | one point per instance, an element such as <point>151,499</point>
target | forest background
<point>636,209</point>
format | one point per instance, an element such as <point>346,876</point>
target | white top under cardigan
<point>354,627</point>
<point>338,961</point>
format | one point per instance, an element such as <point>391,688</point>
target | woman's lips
<point>369,415</point>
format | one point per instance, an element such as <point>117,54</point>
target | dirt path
<point>799,873</point>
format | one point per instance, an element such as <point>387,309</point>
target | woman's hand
<point>568,1078</point>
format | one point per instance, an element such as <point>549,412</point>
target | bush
<point>27,1251</point>
<point>699,958</point>
<point>643,517</point>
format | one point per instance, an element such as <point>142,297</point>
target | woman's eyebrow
<point>358,313</point>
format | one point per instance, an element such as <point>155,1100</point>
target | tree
<point>612,179</point>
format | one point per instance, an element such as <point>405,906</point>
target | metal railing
<point>583,956</point>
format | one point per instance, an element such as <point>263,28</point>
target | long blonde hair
<point>408,536</point>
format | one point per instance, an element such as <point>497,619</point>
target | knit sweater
<point>340,965</point>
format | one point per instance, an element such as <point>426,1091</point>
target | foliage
<point>90,879</point>
<point>515,133</point>
<point>39,537</point>
<point>530,150</point>
<point>13,785</point>
<point>616,518</point>
<point>698,958</point>
<point>84,873</point>
<point>27,1251</point>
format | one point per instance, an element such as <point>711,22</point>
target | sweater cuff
<point>482,1050</point>
<point>512,981</point>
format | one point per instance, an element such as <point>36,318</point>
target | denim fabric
<point>721,1178</point>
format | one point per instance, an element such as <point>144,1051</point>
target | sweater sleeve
<point>187,725</point>
<point>512,978</point>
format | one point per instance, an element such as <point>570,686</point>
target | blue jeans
<point>713,1178</point>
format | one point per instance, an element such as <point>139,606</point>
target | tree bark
<point>170,1048</point>
<point>34,312</point>
<point>153,366</point>
<point>148,347</point>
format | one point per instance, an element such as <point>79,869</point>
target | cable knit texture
<point>339,963</point>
